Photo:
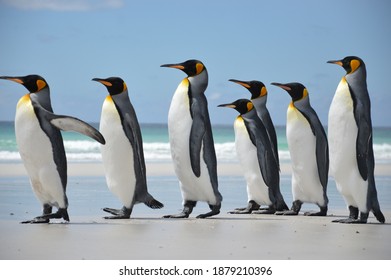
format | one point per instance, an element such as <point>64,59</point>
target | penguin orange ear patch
<point>199,68</point>
<point>263,91</point>
<point>250,106</point>
<point>354,64</point>
<point>40,84</point>
<point>305,93</point>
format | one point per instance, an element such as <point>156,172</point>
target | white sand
<point>222,237</point>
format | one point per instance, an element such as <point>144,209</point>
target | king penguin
<point>308,147</point>
<point>256,157</point>
<point>41,147</point>
<point>259,98</point>
<point>123,154</point>
<point>191,141</point>
<point>351,150</point>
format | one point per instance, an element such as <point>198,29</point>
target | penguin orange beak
<point>338,62</point>
<point>230,105</point>
<point>103,82</point>
<point>283,86</point>
<point>242,83</point>
<point>14,79</point>
<point>176,66</point>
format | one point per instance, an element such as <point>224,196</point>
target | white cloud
<point>64,5</point>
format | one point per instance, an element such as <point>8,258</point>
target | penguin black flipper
<point>361,111</point>
<point>133,133</point>
<point>266,159</point>
<point>68,123</point>
<point>268,123</point>
<point>197,133</point>
<point>322,148</point>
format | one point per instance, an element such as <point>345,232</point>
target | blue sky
<point>69,42</point>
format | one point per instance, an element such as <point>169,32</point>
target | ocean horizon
<point>80,148</point>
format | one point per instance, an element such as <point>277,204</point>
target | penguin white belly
<point>342,135</point>
<point>306,185</point>
<point>179,126</point>
<point>36,152</point>
<point>257,190</point>
<point>117,155</point>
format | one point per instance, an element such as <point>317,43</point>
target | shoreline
<point>156,169</point>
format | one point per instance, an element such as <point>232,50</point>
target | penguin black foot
<point>61,213</point>
<point>215,211</point>
<point>36,220</point>
<point>289,213</point>
<point>187,209</point>
<point>353,219</point>
<point>251,206</point>
<point>268,211</point>
<point>123,213</point>
<point>295,209</point>
<point>353,216</point>
<point>322,212</point>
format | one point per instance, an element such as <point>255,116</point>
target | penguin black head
<point>191,67</point>
<point>243,106</point>
<point>256,88</point>
<point>33,83</point>
<point>349,63</point>
<point>114,85</point>
<point>296,90</point>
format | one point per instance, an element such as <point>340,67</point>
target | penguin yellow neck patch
<point>23,100</point>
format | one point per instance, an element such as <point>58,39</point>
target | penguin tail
<point>154,204</point>
<point>280,203</point>
<point>379,215</point>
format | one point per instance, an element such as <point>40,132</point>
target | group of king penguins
<point>346,151</point>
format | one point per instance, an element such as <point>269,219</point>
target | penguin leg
<point>61,213</point>
<point>215,211</point>
<point>270,210</point>
<point>123,213</point>
<point>322,212</point>
<point>251,206</point>
<point>295,209</point>
<point>47,209</point>
<point>187,209</point>
<point>353,216</point>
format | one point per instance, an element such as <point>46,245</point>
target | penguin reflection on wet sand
<point>191,141</point>
<point>308,147</point>
<point>123,154</point>
<point>256,157</point>
<point>259,98</point>
<point>41,146</point>
<point>352,161</point>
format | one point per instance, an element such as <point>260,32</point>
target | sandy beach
<point>224,237</point>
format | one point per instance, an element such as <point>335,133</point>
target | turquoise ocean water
<point>80,148</point>
<point>17,200</point>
